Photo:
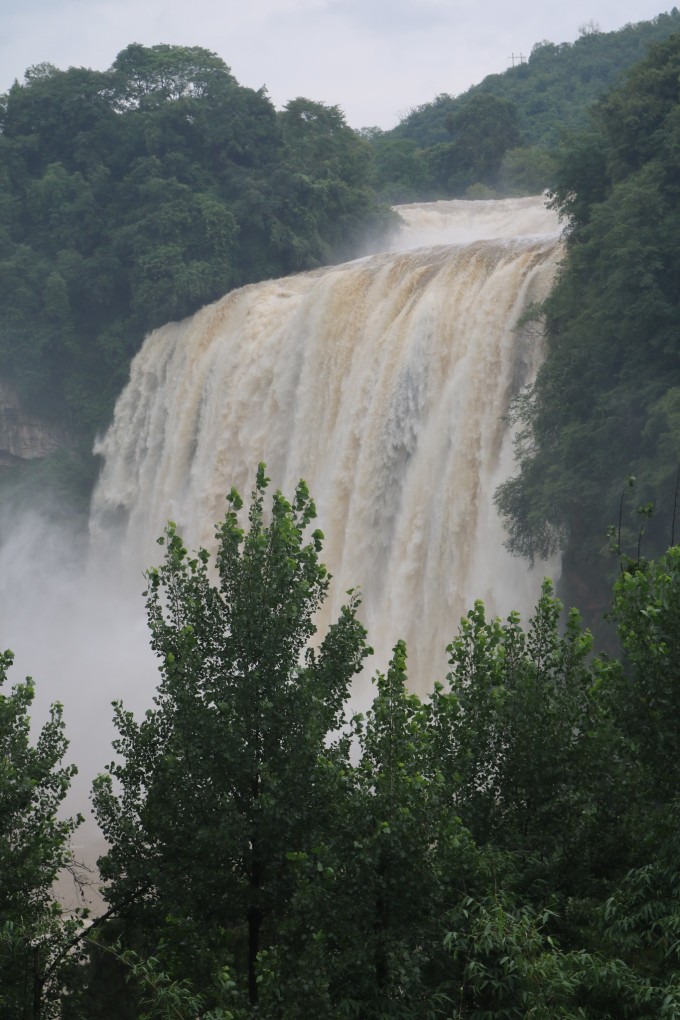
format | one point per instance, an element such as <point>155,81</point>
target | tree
<point>526,171</point>
<point>369,916</point>
<point>224,781</point>
<point>526,741</point>
<point>34,846</point>
<point>639,920</point>
<point>604,405</point>
<point>646,611</point>
<point>401,171</point>
<point>505,848</point>
<point>148,76</point>
<point>328,203</point>
<point>481,132</point>
<point>179,244</point>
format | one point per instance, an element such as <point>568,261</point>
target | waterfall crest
<point>383,383</point>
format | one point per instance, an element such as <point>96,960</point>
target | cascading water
<point>458,221</point>
<point>383,383</point>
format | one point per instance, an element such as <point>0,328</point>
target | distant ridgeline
<point>501,135</point>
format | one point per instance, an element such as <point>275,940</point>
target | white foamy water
<point>461,222</point>
<point>383,383</point>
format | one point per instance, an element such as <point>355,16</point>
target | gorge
<point>383,382</point>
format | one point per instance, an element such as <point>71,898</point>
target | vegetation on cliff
<point>34,847</point>
<point>606,402</point>
<point>134,196</point>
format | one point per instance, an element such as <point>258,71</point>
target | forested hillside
<point>134,196</point>
<point>606,403</point>
<point>503,133</point>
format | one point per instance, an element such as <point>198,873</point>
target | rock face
<point>24,436</point>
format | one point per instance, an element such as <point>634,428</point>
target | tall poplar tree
<point>224,781</point>
<point>34,846</point>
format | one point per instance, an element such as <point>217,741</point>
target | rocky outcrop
<point>25,436</point>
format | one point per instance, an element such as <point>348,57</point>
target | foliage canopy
<point>506,847</point>
<point>605,403</point>
<point>134,196</point>
<point>34,847</point>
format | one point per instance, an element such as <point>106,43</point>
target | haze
<point>376,59</point>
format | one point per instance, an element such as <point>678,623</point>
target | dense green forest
<point>506,848</point>
<point>134,196</point>
<point>606,403</point>
<point>500,137</point>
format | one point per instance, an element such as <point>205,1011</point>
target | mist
<point>79,630</point>
<point>401,460</point>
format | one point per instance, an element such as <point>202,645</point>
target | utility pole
<point>516,56</point>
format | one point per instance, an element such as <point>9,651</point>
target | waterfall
<point>383,383</point>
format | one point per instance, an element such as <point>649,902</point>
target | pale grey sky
<point>374,58</point>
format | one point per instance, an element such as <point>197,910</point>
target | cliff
<point>23,435</point>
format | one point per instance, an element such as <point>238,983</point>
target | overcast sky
<point>374,58</point>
